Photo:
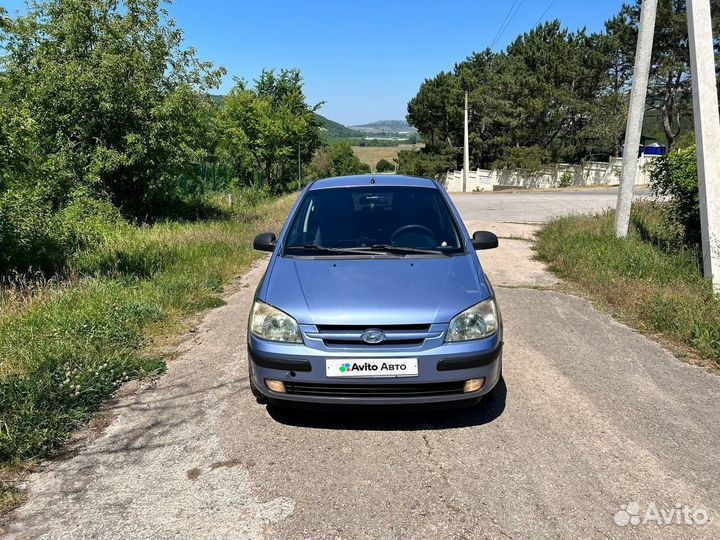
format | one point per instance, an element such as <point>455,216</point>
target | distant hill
<point>335,130</point>
<point>385,126</point>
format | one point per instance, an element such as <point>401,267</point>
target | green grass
<point>66,345</point>
<point>648,280</point>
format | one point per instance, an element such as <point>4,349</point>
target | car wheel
<point>255,392</point>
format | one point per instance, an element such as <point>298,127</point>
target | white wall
<point>590,173</point>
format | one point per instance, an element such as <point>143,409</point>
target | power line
<point>502,24</point>
<point>512,16</point>
<point>508,19</point>
<point>544,13</point>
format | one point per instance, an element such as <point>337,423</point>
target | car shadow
<point>392,419</point>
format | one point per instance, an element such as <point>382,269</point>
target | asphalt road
<point>593,417</point>
<point>536,206</point>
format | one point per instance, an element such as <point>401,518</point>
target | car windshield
<point>395,219</point>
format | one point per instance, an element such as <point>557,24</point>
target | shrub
<point>337,159</point>
<point>252,196</point>
<point>566,179</point>
<point>384,166</point>
<point>675,176</point>
<point>684,140</point>
<point>26,234</point>
<point>35,235</point>
<point>85,221</point>
<point>650,220</point>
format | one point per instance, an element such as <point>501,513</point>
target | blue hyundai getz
<point>374,295</point>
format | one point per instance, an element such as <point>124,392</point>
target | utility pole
<point>707,133</point>
<point>466,148</point>
<point>636,113</point>
<point>299,171</point>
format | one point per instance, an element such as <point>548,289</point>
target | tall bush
<point>384,166</point>
<point>33,235</point>
<point>675,176</point>
<point>337,159</point>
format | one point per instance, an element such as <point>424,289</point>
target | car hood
<point>374,291</point>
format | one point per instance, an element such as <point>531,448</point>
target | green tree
<point>18,153</point>
<point>558,95</point>
<point>608,110</point>
<point>432,113</point>
<point>384,166</point>
<point>17,147</point>
<point>526,158</point>
<point>337,159</point>
<point>669,88</point>
<point>117,105</point>
<point>537,93</point>
<point>265,127</point>
<point>550,75</point>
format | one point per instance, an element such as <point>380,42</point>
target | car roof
<point>376,180</point>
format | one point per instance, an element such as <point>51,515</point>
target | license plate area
<point>371,367</point>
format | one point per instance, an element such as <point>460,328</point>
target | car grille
<point>350,336</point>
<point>375,390</point>
<point>363,327</point>
<point>396,342</point>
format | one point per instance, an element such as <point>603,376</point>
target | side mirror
<point>265,242</point>
<point>484,240</point>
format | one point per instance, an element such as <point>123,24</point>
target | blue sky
<point>365,58</point>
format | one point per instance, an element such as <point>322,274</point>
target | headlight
<point>267,322</point>
<point>477,322</point>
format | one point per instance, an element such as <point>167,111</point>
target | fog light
<point>279,386</point>
<point>473,385</point>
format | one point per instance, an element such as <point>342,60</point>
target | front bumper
<point>438,368</point>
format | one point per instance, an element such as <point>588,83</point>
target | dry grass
<point>12,476</point>
<point>372,154</point>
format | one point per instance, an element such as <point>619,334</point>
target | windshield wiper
<point>315,248</point>
<point>369,250</point>
<point>405,250</point>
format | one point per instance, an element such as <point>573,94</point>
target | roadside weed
<point>67,344</point>
<point>649,279</point>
